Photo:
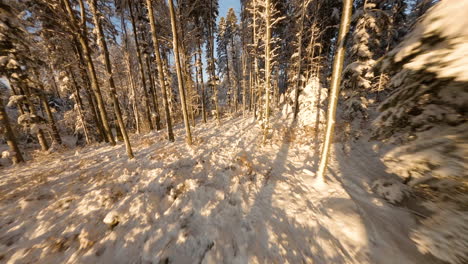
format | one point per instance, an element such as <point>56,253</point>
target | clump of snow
<point>391,190</point>
<point>111,219</point>
<point>5,154</point>
<point>15,99</point>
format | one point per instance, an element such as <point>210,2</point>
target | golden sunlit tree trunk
<point>335,86</point>
<point>175,44</point>
<point>159,63</point>
<point>108,66</point>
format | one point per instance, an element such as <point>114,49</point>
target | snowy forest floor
<point>228,199</point>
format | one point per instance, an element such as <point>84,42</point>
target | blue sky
<point>224,6</point>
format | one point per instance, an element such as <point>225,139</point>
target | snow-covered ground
<point>229,199</point>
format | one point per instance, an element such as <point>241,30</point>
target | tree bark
<point>159,63</point>
<point>202,82</point>
<point>40,134</point>
<point>175,44</point>
<point>83,40</point>
<point>130,77</point>
<point>154,96</point>
<point>212,66</point>
<point>267,70</point>
<point>106,61</point>
<point>79,102</point>
<point>142,70</point>
<point>335,86</point>
<point>10,136</point>
<point>90,95</point>
<point>299,63</point>
<point>50,117</point>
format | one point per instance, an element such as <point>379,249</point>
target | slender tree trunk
<point>244,82</point>
<point>106,61</point>
<point>20,105</point>
<point>90,95</point>
<point>40,134</point>
<point>50,117</point>
<point>299,63</point>
<point>267,70</point>
<point>131,80</point>
<point>159,63</point>
<point>228,75</point>
<point>251,86</point>
<point>335,85</point>
<point>200,74</point>
<point>153,93</point>
<point>10,136</point>
<point>256,74</point>
<point>187,72</point>
<point>46,107</point>
<point>175,44</point>
<point>82,37</point>
<point>79,103</point>
<point>212,66</point>
<point>140,63</point>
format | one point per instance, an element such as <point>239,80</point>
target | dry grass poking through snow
<point>226,200</point>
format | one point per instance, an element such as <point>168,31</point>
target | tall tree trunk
<point>256,74</point>
<point>90,95</point>
<point>335,85</point>
<point>79,103</point>
<point>251,86</point>
<point>10,136</point>
<point>267,69</point>
<point>244,82</point>
<point>212,66</point>
<point>83,40</point>
<point>140,63</point>
<point>106,62</point>
<point>187,72</point>
<point>175,44</point>
<point>299,63</point>
<point>153,93</point>
<point>159,63</point>
<point>131,80</point>
<point>200,74</point>
<point>40,134</point>
<point>50,117</point>
<point>46,107</point>
<point>228,75</point>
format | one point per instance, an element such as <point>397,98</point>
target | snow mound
<point>391,190</point>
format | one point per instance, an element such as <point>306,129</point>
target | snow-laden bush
<point>311,102</point>
<point>311,118</point>
<point>425,117</point>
